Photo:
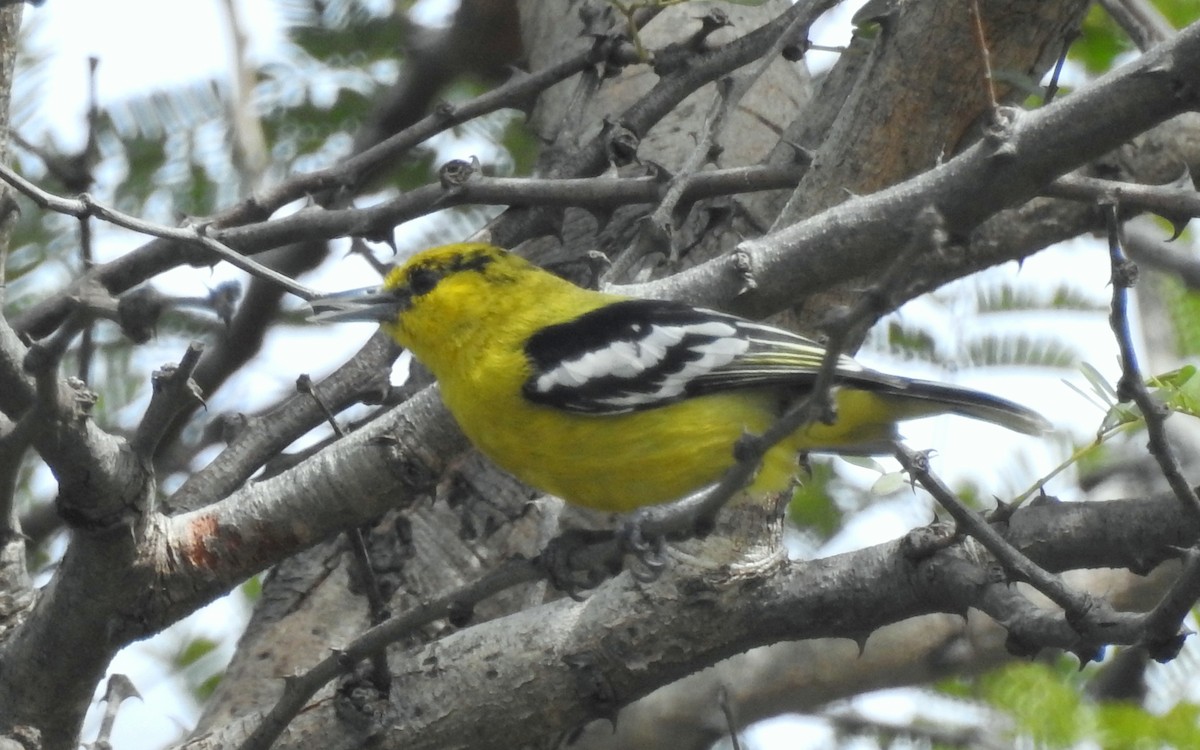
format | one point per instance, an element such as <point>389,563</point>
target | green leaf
<point>1124,726</point>
<point>1183,309</point>
<point>414,171</point>
<point>306,127</point>
<point>1007,297</point>
<point>160,114</point>
<point>371,37</point>
<point>1040,702</point>
<point>206,688</point>
<point>252,588</point>
<point>812,506</point>
<point>1023,351</point>
<point>1100,385</point>
<point>911,341</point>
<point>522,146</point>
<point>1100,41</point>
<point>1178,389</point>
<point>144,157</point>
<point>1179,12</point>
<point>198,196</point>
<point>193,651</point>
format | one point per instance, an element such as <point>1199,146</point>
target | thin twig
<point>8,209</point>
<point>1132,386</point>
<point>586,193</point>
<point>730,720</point>
<point>985,55</point>
<point>1078,607</point>
<point>1052,86</point>
<point>516,93</point>
<point>1144,24</point>
<point>15,439</point>
<point>173,391</point>
<point>120,689</point>
<point>85,206</point>
<point>244,454</point>
<point>1166,200</point>
<point>1164,630</point>
<point>87,344</point>
<point>297,691</point>
<point>509,229</point>
<point>662,223</point>
<point>377,607</point>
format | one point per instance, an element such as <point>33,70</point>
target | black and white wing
<point>639,354</point>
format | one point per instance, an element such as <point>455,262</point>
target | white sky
<point>142,45</point>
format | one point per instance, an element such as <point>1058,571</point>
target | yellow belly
<point>625,461</point>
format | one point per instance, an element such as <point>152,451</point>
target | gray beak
<point>370,304</point>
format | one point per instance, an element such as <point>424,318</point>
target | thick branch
<point>1009,168</point>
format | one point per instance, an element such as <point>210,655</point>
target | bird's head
<point>431,290</point>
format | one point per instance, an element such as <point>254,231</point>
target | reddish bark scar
<point>195,547</point>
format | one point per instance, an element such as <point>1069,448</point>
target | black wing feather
<point>641,354</point>
<point>658,352</point>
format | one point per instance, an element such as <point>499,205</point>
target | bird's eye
<point>422,281</point>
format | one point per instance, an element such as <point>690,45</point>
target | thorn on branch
<point>1087,653</point>
<point>360,248</point>
<point>1165,632</point>
<point>1083,612</point>
<point>1001,513</point>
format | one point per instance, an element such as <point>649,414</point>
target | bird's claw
<point>648,551</point>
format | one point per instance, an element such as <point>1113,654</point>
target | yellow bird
<point>616,403</point>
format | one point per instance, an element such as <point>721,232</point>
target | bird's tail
<point>917,398</point>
